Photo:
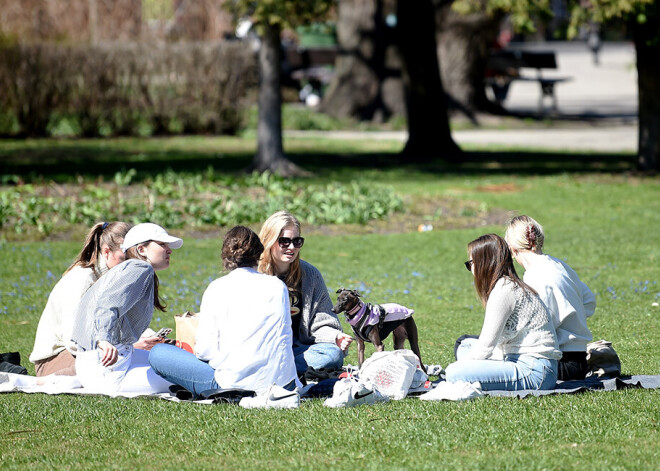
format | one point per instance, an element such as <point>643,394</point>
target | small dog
<point>374,322</point>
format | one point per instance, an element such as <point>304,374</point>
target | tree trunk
<point>463,46</point>
<point>367,81</point>
<point>270,152</point>
<point>429,135</point>
<point>647,45</point>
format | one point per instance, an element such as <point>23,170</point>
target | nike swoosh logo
<point>360,396</point>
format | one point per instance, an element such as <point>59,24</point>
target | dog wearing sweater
<point>374,322</point>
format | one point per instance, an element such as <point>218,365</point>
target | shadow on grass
<point>66,163</point>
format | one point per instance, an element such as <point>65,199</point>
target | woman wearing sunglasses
<point>568,299</point>
<point>516,324</point>
<point>318,339</point>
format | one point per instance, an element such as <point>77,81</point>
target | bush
<point>178,200</point>
<point>115,88</point>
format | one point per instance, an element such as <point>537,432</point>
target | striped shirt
<point>117,308</point>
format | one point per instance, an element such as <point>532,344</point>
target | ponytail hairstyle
<point>269,234</point>
<point>132,252</point>
<point>241,247</point>
<point>491,259</point>
<point>103,233</point>
<point>524,233</point>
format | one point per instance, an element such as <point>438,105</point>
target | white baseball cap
<point>147,231</point>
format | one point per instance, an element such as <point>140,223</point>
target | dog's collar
<point>356,313</point>
<point>355,309</point>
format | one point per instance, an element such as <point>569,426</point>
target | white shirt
<point>244,331</point>
<point>56,323</point>
<point>568,299</point>
<point>516,322</point>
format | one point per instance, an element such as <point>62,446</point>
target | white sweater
<point>56,323</point>
<point>516,322</point>
<point>244,331</point>
<point>568,299</point>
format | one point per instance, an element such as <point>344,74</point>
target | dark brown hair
<point>103,233</point>
<point>491,259</point>
<point>241,247</point>
<point>132,252</point>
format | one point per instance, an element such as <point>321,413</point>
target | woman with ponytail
<point>53,349</point>
<point>117,310</point>
<point>568,299</point>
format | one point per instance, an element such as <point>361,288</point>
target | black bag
<point>11,363</point>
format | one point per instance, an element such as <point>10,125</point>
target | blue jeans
<point>183,368</point>
<point>318,355</point>
<point>514,373</point>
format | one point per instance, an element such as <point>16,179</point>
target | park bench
<point>311,65</point>
<point>503,67</point>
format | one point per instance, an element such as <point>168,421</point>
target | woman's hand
<point>343,341</point>
<point>147,343</point>
<point>109,351</point>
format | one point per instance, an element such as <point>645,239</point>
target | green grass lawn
<point>605,224</point>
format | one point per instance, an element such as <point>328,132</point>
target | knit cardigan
<point>318,323</point>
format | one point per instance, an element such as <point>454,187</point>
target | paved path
<point>600,139</point>
<point>597,107</point>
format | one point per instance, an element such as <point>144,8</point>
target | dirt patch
<point>501,188</point>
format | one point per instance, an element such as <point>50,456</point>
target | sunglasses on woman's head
<point>285,242</point>
<point>468,265</point>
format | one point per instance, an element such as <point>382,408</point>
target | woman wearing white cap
<point>117,309</point>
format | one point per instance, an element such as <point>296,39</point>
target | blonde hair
<point>269,234</point>
<point>524,233</point>
<point>102,233</point>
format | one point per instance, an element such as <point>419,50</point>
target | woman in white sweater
<point>517,348</point>
<point>53,348</point>
<point>244,334</point>
<point>568,299</point>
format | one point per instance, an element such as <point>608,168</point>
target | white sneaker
<point>274,397</point>
<point>350,392</point>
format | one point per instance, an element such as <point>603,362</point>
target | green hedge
<point>125,88</point>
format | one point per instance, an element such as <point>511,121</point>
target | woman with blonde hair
<point>516,324</point>
<point>568,299</point>
<point>54,351</point>
<point>318,339</point>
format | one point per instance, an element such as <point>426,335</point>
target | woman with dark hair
<point>53,351</point>
<point>516,323</point>
<point>117,310</point>
<point>244,335</point>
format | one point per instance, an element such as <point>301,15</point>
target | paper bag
<point>186,329</point>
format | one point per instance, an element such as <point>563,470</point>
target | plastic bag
<point>391,372</point>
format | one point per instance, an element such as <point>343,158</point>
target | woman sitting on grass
<point>243,339</point>
<point>53,349</point>
<point>116,310</point>
<point>318,339</point>
<point>516,323</point>
<point>567,298</point>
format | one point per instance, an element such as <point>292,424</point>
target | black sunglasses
<point>468,265</point>
<point>285,242</point>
